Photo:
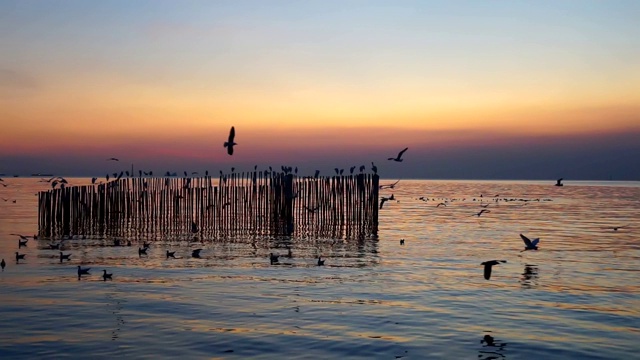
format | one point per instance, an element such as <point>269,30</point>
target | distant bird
<point>559,182</point>
<point>194,227</point>
<point>64,256</point>
<point>93,180</point>
<point>54,246</point>
<point>489,340</point>
<point>615,228</point>
<point>3,264</point>
<point>171,254</point>
<point>482,211</point>
<point>22,243</point>
<point>399,157</point>
<point>443,204</point>
<point>146,245</point>
<point>273,258</point>
<point>19,257</point>
<point>401,241</point>
<point>142,251</point>
<point>196,253</point>
<point>229,143</point>
<point>113,159</point>
<point>82,271</point>
<point>530,244</point>
<point>374,168</point>
<point>320,261</point>
<point>106,275</point>
<point>488,265</point>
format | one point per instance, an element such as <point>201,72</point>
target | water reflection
<point>492,348</point>
<point>529,278</point>
<point>114,305</point>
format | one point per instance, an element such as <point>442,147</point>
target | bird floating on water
<point>82,271</point>
<point>142,251</point>
<point>19,257</point>
<point>106,275</point>
<point>320,261</point>
<point>230,143</point>
<point>273,258</point>
<point>3,264</point>
<point>196,253</point>
<point>64,256</point>
<point>399,157</point>
<point>530,244</point>
<point>171,254</point>
<point>559,182</point>
<point>488,265</point>
<point>401,241</point>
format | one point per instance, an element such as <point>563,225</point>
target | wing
<point>487,272</point>
<point>232,134</point>
<point>402,152</point>
<point>535,241</point>
<point>526,240</point>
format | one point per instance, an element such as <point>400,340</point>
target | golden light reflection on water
<point>427,296</point>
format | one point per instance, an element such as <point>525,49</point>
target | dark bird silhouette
<point>273,258</point>
<point>489,340</point>
<point>399,157</point>
<point>401,241</point>
<point>229,143</point>
<point>374,168</point>
<point>113,159</point>
<point>19,257</point>
<point>196,253</point>
<point>559,182</point>
<point>488,265</point>
<point>3,264</point>
<point>483,211</point>
<point>64,256</point>
<point>530,244</point>
<point>171,254</point>
<point>320,261</point>
<point>194,227</point>
<point>82,271</point>
<point>443,204</point>
<point>142,251</point>
<point>615,228</point>
<point>106,275</point>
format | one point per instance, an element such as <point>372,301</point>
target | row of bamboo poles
<point>237,205</point>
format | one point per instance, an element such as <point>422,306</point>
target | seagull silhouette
<point>171,254</point>
<point>615,228</point>
<point>559,182</point>
<point>19,257</point>
<point>64,256</point>
<point>530,244</point>
<point>399,157</point>
<point>113,159</point>
<point>82,271</point>
<point>320,261</point>
<point>273,258</point>
<point>229,143</point>
<point>488,265</point>
<point>3,264</point>
<point>142,251</point>
<point>196,253</point>
<point>106,275</point>
<point>482,211</point>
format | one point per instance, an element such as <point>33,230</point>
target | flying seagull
<point>229,143</point>
<point>530,244</point>
<point>482,211</point>
<point>559,182</point>
<point>399,157</point>
<point>488,265</point>
<point>113,159</point>
<point>615,228</point>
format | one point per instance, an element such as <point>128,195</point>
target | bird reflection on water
<point>529,279</point>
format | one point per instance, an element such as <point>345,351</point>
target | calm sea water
<point>577,297</point>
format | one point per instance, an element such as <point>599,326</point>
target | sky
<point>475,89</point>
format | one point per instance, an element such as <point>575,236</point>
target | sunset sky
<point>475,89</point>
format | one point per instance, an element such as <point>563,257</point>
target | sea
<point>576,297</point>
